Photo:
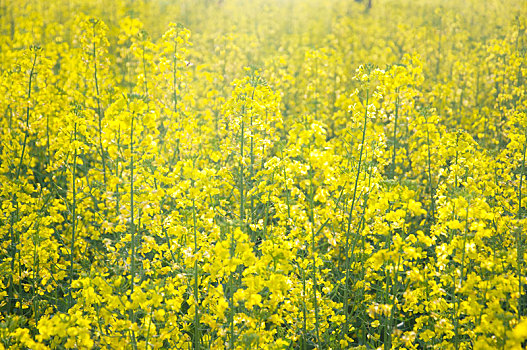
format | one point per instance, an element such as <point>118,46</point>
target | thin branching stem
<point>348,231</point>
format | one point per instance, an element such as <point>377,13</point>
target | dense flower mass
<point>265,174</point>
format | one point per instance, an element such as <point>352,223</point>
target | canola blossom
<point>264,174</point>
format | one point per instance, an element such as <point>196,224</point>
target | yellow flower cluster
<point>266,174</point>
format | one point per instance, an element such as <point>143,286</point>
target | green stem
<point>174,77</point>
<point>148,329</point>
<point>99,108</point>
<point>26,132</point>
<point>313,257</point>
<point>304,311</point>
<point>395,134</point>
<point>145,84</point>
<point>519,250</point>
<point>73,211</point>
<point>174,95</point>
<point>347,267</point>
<point>430,185</point>
<point>457,299</point>
<point>132,226</point>
<point>196,276</point>
<point>287,194</point>
<point>252,175</point>
<point>457,157</point>
<point>232,310</point>
<point>14,236</point>
<point>522,170</point>
<point>242,197</point>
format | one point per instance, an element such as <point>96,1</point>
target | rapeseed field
<point>264,174</point>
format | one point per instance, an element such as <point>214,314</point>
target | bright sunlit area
<point>264,174</point>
